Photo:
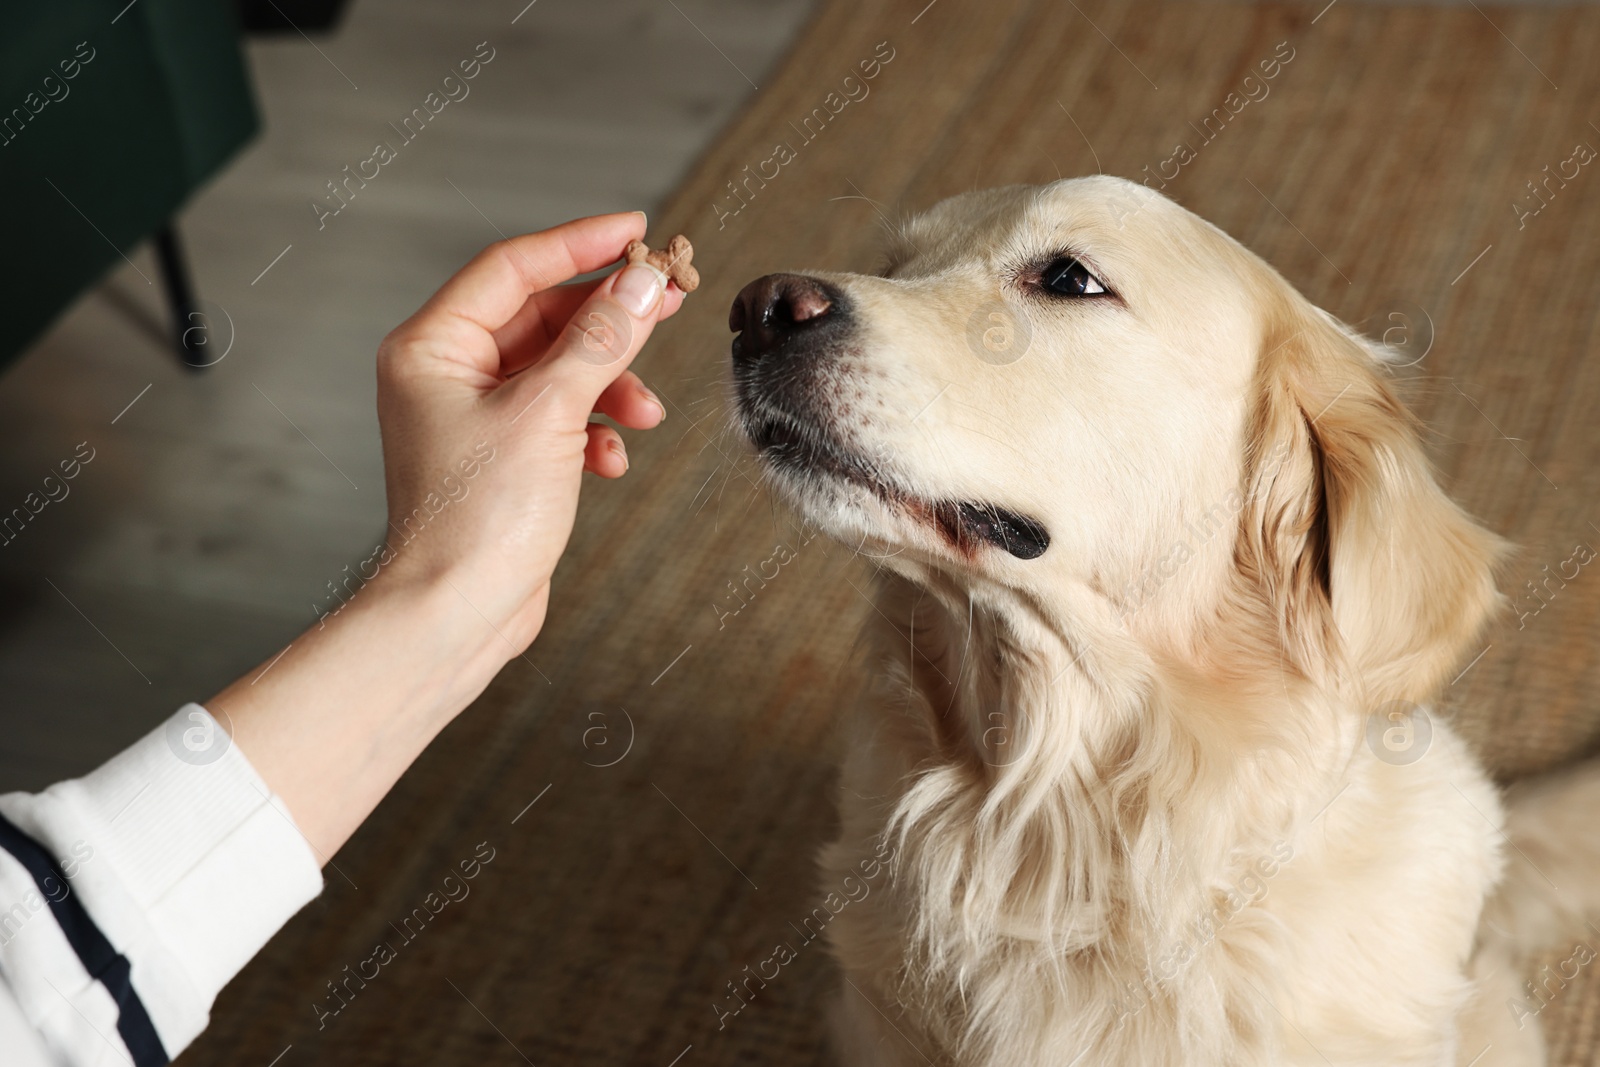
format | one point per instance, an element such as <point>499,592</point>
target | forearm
<point>333,723</point>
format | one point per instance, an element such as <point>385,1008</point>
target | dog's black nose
<point>771,309</point>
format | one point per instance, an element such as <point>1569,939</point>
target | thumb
<point>598,342</point>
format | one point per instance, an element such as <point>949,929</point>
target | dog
<point>1166,587</point>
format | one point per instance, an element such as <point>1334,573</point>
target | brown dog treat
<point>674,261</point>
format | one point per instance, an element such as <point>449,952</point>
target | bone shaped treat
<point>673,261</point>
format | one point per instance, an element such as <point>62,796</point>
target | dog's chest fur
<point>1121,906</point>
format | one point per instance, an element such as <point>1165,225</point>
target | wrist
<point>336,718</point>
<point>426,635</point>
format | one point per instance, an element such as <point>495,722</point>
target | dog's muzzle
<point>787,326</point>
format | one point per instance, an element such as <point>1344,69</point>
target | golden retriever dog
<point>1167,585</point>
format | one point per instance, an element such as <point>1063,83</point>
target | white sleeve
<point>131,896</point>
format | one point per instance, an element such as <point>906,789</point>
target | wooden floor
<point>654,807</point>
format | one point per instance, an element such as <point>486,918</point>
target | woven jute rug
<point>674,728</point>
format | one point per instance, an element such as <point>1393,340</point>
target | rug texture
<point>653,780</point>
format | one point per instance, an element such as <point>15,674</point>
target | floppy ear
<point>1376,577</point>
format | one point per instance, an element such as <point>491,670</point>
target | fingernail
<point>656,400</point>
<point>639,288</point>
<point>621,453</point>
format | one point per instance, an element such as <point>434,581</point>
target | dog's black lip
<point>785,443</point>
<point>965,524</point>
<point>1012,532</point>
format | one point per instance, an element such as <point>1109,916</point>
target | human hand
<point>484,398</point>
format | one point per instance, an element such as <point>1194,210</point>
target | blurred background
<point>191,182</point>
<point>203,534</point>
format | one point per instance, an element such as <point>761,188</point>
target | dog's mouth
<point>966,525</point>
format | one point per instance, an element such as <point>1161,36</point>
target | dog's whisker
<point>702,488</point>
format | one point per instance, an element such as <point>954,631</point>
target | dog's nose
<point>771,309</point>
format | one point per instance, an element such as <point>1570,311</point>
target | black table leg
<point>188,321</point>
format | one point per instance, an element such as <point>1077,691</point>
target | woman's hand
<point>484,398</point>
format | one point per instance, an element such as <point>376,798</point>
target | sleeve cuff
<point>184,859</point>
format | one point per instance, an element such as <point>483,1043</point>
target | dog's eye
<point>1068,277</point>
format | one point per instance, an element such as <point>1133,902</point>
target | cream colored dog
<point>1171,585</point>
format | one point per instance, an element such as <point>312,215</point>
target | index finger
<point>492,288</point>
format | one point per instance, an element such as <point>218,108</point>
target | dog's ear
<point>1376,578</point>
